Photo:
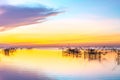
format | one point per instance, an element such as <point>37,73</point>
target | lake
<point>54,64</point>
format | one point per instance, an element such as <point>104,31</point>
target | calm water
<point>53,64</point>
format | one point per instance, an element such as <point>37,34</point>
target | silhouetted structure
<point>89,53</point>
<point>118,57</point>
<point>8,51</point>
<point>75,52</point>
<point>92,54</point>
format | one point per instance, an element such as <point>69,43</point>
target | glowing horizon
<point>50,22</point>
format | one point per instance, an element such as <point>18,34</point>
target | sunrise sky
<point>59,22</point>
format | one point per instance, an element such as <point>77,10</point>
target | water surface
<point>53,64</point>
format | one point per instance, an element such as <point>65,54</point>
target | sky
<point>63,22</point>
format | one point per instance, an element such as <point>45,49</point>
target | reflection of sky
<point>52,63</point>
<point>110,77</point>
<point>13,74</point>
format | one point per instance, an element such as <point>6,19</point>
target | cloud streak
<point>13,16</point>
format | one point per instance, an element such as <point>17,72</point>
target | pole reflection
<point>8,51</point>
<point>118,57</point>
<point>92,54</point>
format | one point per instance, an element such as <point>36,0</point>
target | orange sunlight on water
<point>52,62</point>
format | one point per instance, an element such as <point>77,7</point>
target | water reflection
<point>118,57</point>
<point>8,74</point>
<point>71,63</point>
<point>8,51</point>
<point>92,54</point>
<point>10,71</point>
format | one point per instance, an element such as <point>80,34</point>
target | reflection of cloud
<point>12,16</point>
<point>6,74</point>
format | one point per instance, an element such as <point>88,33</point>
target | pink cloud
<point>14,16</point>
